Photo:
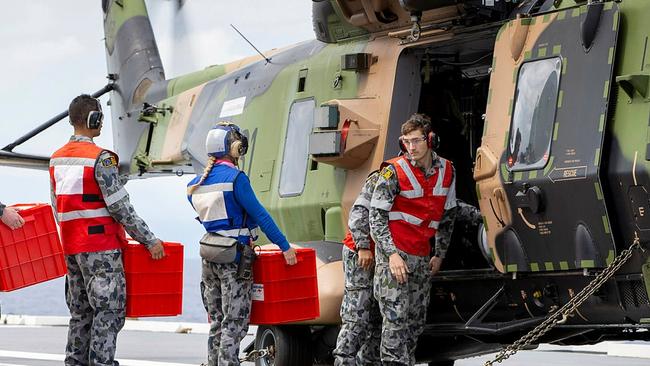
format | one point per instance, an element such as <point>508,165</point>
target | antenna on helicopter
<point>268,60</point>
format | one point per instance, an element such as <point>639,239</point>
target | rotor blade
<point>12,159</point>
<point>183,55</point>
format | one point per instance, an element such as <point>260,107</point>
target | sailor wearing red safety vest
<point>93,209</point>
<point>412,196</point>
<point>360,334</point>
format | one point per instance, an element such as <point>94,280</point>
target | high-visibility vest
<point>215,203</point>
<point>84,220</point>
<point>349,242</point>
<point>419,206</point>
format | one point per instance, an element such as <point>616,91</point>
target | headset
<point>433,142</point>
<point>218,139</point>
<point>95,118</point>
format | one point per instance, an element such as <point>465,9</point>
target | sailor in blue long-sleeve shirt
<point>227,206</point>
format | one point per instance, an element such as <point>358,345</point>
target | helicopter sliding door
<point>538,167</point>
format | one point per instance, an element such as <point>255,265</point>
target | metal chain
<point>560,316</point>
<point>256,354</point>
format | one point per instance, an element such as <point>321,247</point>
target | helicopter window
<point>301,84</point>
<point>296,148</point>
<point>534,114</point>
<point>302,79</point>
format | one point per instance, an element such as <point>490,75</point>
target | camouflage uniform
<point>96,296</point>
<point>463,212</point>
<point>403,306</point>
<point>95,283</point>
<point>225,291</point>
<point>360,335</point>
<point>468,213</point>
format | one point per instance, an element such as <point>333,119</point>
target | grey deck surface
<point>43,346</point>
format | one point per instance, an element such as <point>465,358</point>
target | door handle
<point>500,209</point>
<point>531,198</point>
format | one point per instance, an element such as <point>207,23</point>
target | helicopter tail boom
<point>134,65</point>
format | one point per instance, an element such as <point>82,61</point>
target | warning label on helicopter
<point>258,292</point>
<point>572,173</point>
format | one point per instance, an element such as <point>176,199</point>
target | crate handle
<point>29,218</point>
<point>22,206</point>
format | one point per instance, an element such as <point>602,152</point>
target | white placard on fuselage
<point>233,107</point>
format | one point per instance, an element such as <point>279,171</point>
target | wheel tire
<point>292,345</point>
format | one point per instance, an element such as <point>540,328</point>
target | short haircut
<point>417,121</point>
<point>80,107</point>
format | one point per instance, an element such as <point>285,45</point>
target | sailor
<point>414,193</point>
<point>93,209</point>
<point>10,217</point>
<point>360,334</point>
<point>230,213</point>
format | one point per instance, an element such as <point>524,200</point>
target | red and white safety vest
<point>86,225</point>
<point>348,241</point>
<point>417,210</point>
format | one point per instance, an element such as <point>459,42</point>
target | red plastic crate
<point>153,288</point>
<point>32,253</point>
<point>283,293</point>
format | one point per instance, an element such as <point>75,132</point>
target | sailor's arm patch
<point>109,162</point>
<point>387,173</point>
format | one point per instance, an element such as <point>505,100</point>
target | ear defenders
<point>239,145</point>
<point>95,118</point>
<point>218,138</point>
<point>433,142</point>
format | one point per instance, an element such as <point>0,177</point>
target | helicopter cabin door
<point>538,168</point>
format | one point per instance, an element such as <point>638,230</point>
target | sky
<point>53,51</point>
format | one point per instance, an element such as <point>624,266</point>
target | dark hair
<point>417,121</point>
<point>80,107</point>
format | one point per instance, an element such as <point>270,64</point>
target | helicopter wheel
<point>291,345</point>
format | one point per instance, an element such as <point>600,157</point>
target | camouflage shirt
<point>358,222</point>
<point>468,213</point>
<point>387,189</point>
<point>116,197</point>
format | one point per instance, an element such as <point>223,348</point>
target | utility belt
<point>222,249</point>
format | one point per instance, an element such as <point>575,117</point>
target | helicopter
<point>540,104</point>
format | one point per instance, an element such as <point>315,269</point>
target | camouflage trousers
<point>228,302</point>
<point>95,292</point>
<point>403,308</point>
<point>360,335</point>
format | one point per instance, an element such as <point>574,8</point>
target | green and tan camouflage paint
<point>513,41</point>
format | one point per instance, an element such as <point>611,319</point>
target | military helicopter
<point>540,104</point>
